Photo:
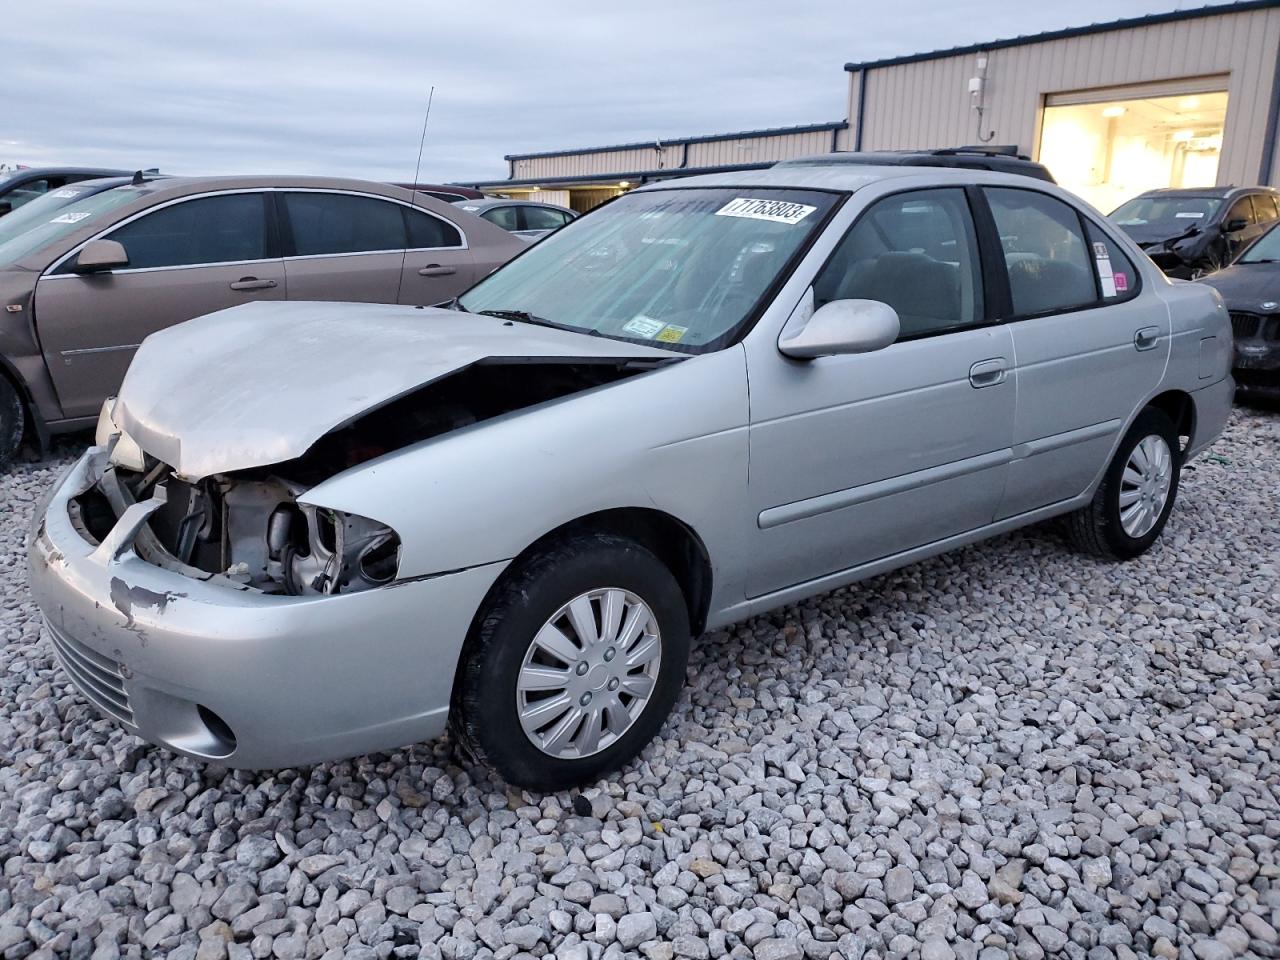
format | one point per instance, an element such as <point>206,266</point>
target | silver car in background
<point>527,219</point>
<point>314,530</point>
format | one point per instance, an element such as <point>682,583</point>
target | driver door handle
<point>436,270</point>
<point>987,373</point>
<point>252,283</point>
<point>1146,338</point>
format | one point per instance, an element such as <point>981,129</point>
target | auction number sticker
<point>75,216</point>
<point>775,211</point>
<point>672,333</point>
<point>67,194</point>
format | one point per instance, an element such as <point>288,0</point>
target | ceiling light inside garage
<point>1113,111</point>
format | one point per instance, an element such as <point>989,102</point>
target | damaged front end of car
<point>253,528</point>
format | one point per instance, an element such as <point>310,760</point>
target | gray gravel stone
<point>1007,751</point>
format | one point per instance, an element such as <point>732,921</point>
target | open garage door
<point>1109,145</point>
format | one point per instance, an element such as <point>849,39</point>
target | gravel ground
<point>1007,751</point>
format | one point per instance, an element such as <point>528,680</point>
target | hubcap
<point>1144,485</point>
<point>588,673</point>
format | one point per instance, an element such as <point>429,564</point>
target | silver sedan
<point>312,530</point>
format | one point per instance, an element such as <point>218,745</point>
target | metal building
<point>1187,98</point>
<point>584,178</point>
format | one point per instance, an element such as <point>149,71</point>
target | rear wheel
<point>575,663</point>
<point>1133,502</point>
<point>11,421</point>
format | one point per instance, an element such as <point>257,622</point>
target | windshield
<point>58,221</point>
<point>1266,250</point>
<point>39,210</point>
<point>1166,215</point>
<point>683,268</point>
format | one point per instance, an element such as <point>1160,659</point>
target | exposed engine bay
<point>247,529</point>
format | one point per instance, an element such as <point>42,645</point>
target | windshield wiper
<point>524,316</point>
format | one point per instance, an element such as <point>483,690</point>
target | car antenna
<point>413,189</point>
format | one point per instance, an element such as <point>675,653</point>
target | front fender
<point>673,439</point>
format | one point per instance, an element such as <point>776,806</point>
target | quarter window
<point>1048,262</point>
<point>428,231</point>
<point>918,253</point>
<point>331,223</point>
<point>220,229</point>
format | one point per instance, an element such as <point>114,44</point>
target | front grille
<point>94,675</point>
<point>1245,324</point>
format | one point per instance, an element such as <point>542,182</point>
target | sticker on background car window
<point>75,216</point>
<point>67,194</point>
<point>1188,214</point>
<point>672,333</point>
<point>776,211</point>
<point>642,326</point>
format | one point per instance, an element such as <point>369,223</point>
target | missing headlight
<point>327,551</point>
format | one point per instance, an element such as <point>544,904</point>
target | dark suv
<point>1189,233</point>
<point>1005,159</point>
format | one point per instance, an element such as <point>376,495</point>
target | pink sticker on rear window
<point>1122,281</point>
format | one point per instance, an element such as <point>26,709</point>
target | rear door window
<point>508,218</point>
<point>543,218</point>
<point>221,229</point>
<point>335,223</point>
<point>1049,264</point>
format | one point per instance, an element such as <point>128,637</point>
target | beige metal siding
<point>927,103</point>
<point>708,153</point>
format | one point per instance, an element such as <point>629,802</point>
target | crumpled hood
<point>1248,286</point>
<point>260,383</point>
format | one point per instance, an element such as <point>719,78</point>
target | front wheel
<point>1133,502</point>
<point>574,664</point>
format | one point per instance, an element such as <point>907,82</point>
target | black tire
<point>1097,528</point>
<point>483,716</point>
<point>12,421</point>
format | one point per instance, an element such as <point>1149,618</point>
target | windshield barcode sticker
<point>74,216</point>
<point>775,211</point>
<point>67,194</point>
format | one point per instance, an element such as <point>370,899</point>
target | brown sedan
<point>83,289</point>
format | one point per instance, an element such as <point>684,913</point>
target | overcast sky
<point>320,86</point>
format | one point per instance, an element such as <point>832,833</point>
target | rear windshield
<point>60,221</point>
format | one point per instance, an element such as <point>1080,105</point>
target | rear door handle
<point>1147,338</point>
<point>252,283</point>
<point>987,373</point>
<point>436,270</point>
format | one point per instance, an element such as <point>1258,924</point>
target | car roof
<point>35,173</point>
<point>1204,192</point>
<point>843,176</point>
<point>488,202</point>
<point>971,158</point>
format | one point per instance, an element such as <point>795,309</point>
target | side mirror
<point>843,326</point>
<point>1236,225</point>
<point>98,255</point>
